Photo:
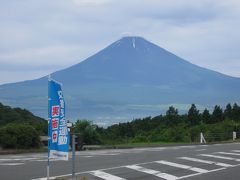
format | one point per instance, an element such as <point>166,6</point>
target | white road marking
<point>226,153</point>
<point>87,156</point>
<point>106,176</point>
<point>200,150</point>
<point>45,160</point>
<point>206,162</point>
<point>236,151</point>
<point>10,164</point>
<point>220,157</point>
<point>42,160</point>
<point>198,170</point>
<point>152,172</point>
<point>182,166</point>
<point>191,175</point>
<point>19,159</point>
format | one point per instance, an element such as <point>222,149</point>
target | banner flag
<point>57,127</point>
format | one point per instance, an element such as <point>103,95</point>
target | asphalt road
<point>196,162</point>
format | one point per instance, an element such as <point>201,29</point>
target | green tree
<point>217,115</point>
<point>236,112</point>
<point>206,116</point>
<point>19,136</point>
<point>87,131</point>
<point>228,111</point>
<point>193,115</point>
<point>172,116</point>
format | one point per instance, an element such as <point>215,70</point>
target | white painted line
<point>152,172</point>
<point>53,177</point>
<point>42,160</point>
<point>226,153</point>
<point>106,176</point>
<point>116,167</point>
<point>206,162</point>
<point>236,151</point>
<point>45,160</point>
<point>18,159</point>
<point>200,150</point>
<point>87,156</point>
<point>5,159</point>
<point>220,157</point>
<point>182,166</point>
<point>10,164</point>
<point>191,175</point>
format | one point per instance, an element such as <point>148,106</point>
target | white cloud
<point>91,2</point>
<point>60,33</point>
<point>41,56</point>
<point>14,76</point>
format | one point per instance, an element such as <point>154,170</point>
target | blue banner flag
<point>57,127</point>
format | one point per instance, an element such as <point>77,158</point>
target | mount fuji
<point>130,78</point>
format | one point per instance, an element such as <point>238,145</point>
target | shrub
<point>19,136</point>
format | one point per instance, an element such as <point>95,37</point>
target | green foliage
<point>217,115</point>
<point>19,136</point>
<point>172,116</point>
<point>228,111</point>
<point>235,113</point>
<point>19,128</point>
<point>205,116</point>
<point>176,128</point>
<point>87,132</point>
<point>140,138</point>
<point>193,115</point>
<point>10,115</point>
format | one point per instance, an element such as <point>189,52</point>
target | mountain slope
<point>130,78</point>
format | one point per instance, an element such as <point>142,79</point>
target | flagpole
<point>49,118</point>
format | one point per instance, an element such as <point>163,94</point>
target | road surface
<point>194,162</point>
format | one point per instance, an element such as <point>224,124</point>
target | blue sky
<point>39,37</point>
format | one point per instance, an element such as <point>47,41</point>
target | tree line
<point>19,128</point>
<point>217,125</point>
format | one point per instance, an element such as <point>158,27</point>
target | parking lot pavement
<point>170,163</point>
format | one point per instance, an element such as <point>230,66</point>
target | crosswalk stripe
<point>206,162</point>
<point>152,172</point>
<point>227,153</point>
<point>182,166</point>
<point>104,175</point>
<point>220,157</point>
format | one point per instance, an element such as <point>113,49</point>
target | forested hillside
<point>10,115</point>
<point>19,128</point>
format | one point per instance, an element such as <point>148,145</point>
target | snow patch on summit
<point>133,43</point>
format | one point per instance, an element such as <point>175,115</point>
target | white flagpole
<point>49,118</point>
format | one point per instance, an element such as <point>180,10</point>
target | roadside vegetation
<point>172,127</point>
<point>20,129</point>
